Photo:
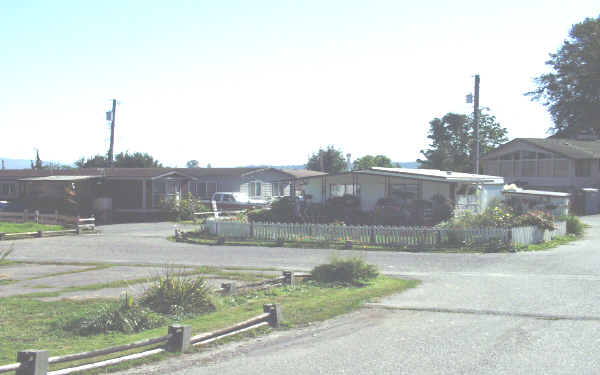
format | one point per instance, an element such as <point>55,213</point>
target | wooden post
<point>290,278</point>
<point>276,315</point>
<point>180,339</point>
<point>229,289</point>
<point>372,240</point>
<point>37,217</point>
<point>33,362</point>
<point>40,233</point>
<point>2,236</point>
<point>56,217</point>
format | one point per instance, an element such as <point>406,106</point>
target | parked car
<point>9,206</point>
<point>221,201</point>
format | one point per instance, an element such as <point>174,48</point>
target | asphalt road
<point>524,313</point>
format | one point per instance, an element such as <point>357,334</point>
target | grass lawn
<point>556,241</point>
<point>26,227</point>
<point>301,304</point>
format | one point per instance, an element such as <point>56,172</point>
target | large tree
<point>452,145</point>
<point>38,162</point>
<point>369,161</point>
<point>571,91</point>
<point>122,160</point>
<point>192,164</point>
<point>327,160</point>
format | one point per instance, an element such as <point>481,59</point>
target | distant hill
<point>22,163</point>
<point>407,164</point>
<point>301,166</point>
<point>16,163</point>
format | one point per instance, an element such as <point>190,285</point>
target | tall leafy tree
<point>332,160</point>
<point>98,161</point>
<point>192,164</point>
<point>571,91</point>
<point>369,161</point>
<point>453,141</point>
<point>38,162</point>
<point>122,160</point>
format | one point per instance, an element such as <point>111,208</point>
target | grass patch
<point>26,227</point>
<point>302,304</point>
<point>555,242</point>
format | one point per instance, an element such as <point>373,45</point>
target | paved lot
<point>559,286</point>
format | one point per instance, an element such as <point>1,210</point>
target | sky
<point>235,83</point>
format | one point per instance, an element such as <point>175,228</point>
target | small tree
<point>192,164</point>
<point>369,161</point>
<point>453,141</point>
<point>327,160</point>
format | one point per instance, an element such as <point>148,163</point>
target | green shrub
<point>177,294</point>
<point>539,219</point>
<point>260,215</point>
<point>184,208</point>
<point>352,271</point>
<point>574,225</point>
<point>126,316</point>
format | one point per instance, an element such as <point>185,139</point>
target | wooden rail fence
<point>177,339</point>
<point>76,223</point>
<point>417,237</point>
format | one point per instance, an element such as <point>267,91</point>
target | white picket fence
<point>380,235</point>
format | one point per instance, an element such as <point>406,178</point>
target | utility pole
<point>112,133</point>
<point>476,120</point>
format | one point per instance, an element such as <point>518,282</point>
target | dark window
<point>583,168</point>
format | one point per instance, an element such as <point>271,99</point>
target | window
<point>278,189</point>
<point>529,168</point>
<point>583,168</point>
<point>211,188</point>
<point>561,168</point>
<point>7,189</point>
<point>339,190</point>
<point>545,168</point>
<point>228,198</point>
<point>254,189</point>
<point>404,191</point>
<point>529,155</point>
<point>507,168</point>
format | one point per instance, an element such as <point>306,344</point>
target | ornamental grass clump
<point>349,271</point>
<point>178,294</point>
<point>574,225</point>
<point>125,316</point>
